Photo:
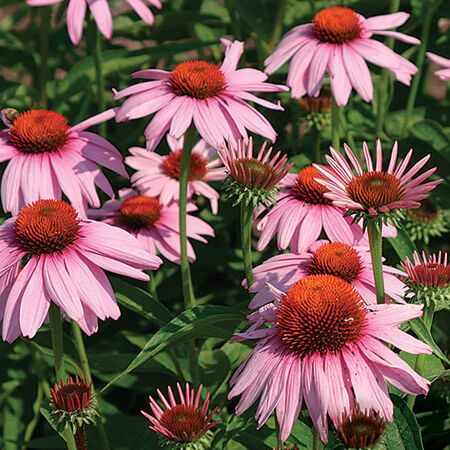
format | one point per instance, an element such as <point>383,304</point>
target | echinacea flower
<point>101,11</point>
<point>375,193</point>
<point>351,263</point>
<point>213,98</point>
<point>159,175</point>
<point>301,212</point>
<point>428,279</point>
<point>184,423</point>
<point>253,179</point>
<point>50,254</point>
<point>443,74</point>
<point>339,41</point>
<point>324,346</point>
<point>48,158</point>
<point>155,226</point>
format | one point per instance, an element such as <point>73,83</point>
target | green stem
<point>84,361</point>
<point>96,49</point>
<point>376,253</point>
<point>419,364</point>
<point>313,7</point>
<point>419,63</point>
<point>44,26</point>
<point>246,240</point>
<point>315,136</point>
<point>335,125</point>
<point>383,100</point>
<point>317,442</point>
<point>278,26</point>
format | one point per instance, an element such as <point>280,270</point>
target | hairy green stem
<point>278,26</point>
<point>419,63</point>
<point>335,125</point>
<point>419,364</point>
<point>376,253</point>
<point>246,240</point>
<point>84,361</point>
<point>383,100</point>
<point>96,49</point>
<point>44,26</point>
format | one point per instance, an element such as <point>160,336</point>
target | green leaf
<point>253,14</point>
<point>432,369</point>
<point>419,327</point>
<point>140,302</point>
<point>402,245</point>
<point>404,432</point>
<point>432,132</point>
<point>190,324</point>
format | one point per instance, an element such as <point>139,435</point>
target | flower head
<point>49,253</point>
<point>428,279</point>
<point>338,41</point>
<point>374,193</point>
<point>212,97</point>
<point>253,179</point>
<point>361,430</point>
<point>101,12</point>
<point>155,226</point>
<point>443,74</point>
<point>159,176</point>
<point>48,158</point>
<point>351,263</point>
<point>324,346</point>
<point>184,424</point>
<point>301,212</point>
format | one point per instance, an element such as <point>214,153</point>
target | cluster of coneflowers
<point>323,313</point>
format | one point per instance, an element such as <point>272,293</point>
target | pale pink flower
<point>338,41</point>
<point>159,175</point>
<point>184,421</point>
<point>324,346</point>
<point>302,212</point>
<point>50,254</point>
<point>351,263</point>
<point>155,226</point>
<point>49,158</point>
<point>375,191</point>
<point>213,98</point>
<point>101,11</point>
<point>443,74</point>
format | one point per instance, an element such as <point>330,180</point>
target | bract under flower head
<point>184,424</point>
<point>253,179</point>
<point>213,98</point>
<point>375,194</point>
<point>338,41</point>
<point>324,346</point>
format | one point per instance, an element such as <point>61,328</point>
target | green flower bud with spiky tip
<point>428,280</point>
<point>318,109</point>
<point>426,221</point>
<point>72,404</point>
<point>252,179</point>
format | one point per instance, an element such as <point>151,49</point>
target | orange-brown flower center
<point>253,173</point>
<point>432,275</point>
<point>197,79</point>
<point>375,189</point>
<point>185,422</point>
<point>320,314</point>
<point>307,189</point>
<point>139,212</point>
<point>335,258</point>
<point>171,166</point>
<point>39,131</point>
<point>46,226</point>
<point>336,25</point>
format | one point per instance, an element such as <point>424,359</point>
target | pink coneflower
<point>159,176</point>
<point>100,10</point>
<point>49,158</point>
<point>213,98</point>
<point>302,212</point>
<point>338,41</point>
<point>253,179</point>
<point>443,74</point>
<point>325,346</point>
<point>375,192</point>
<point>62,257</point>
<point>155,226</point>
<point>351,263</point>
<point>184,421</point>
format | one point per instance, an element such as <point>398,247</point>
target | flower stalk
<point>376,253</point>
<point>96,49</point>
<point>335,124</point>
<point>246,216</point>
<point>44,26</point>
